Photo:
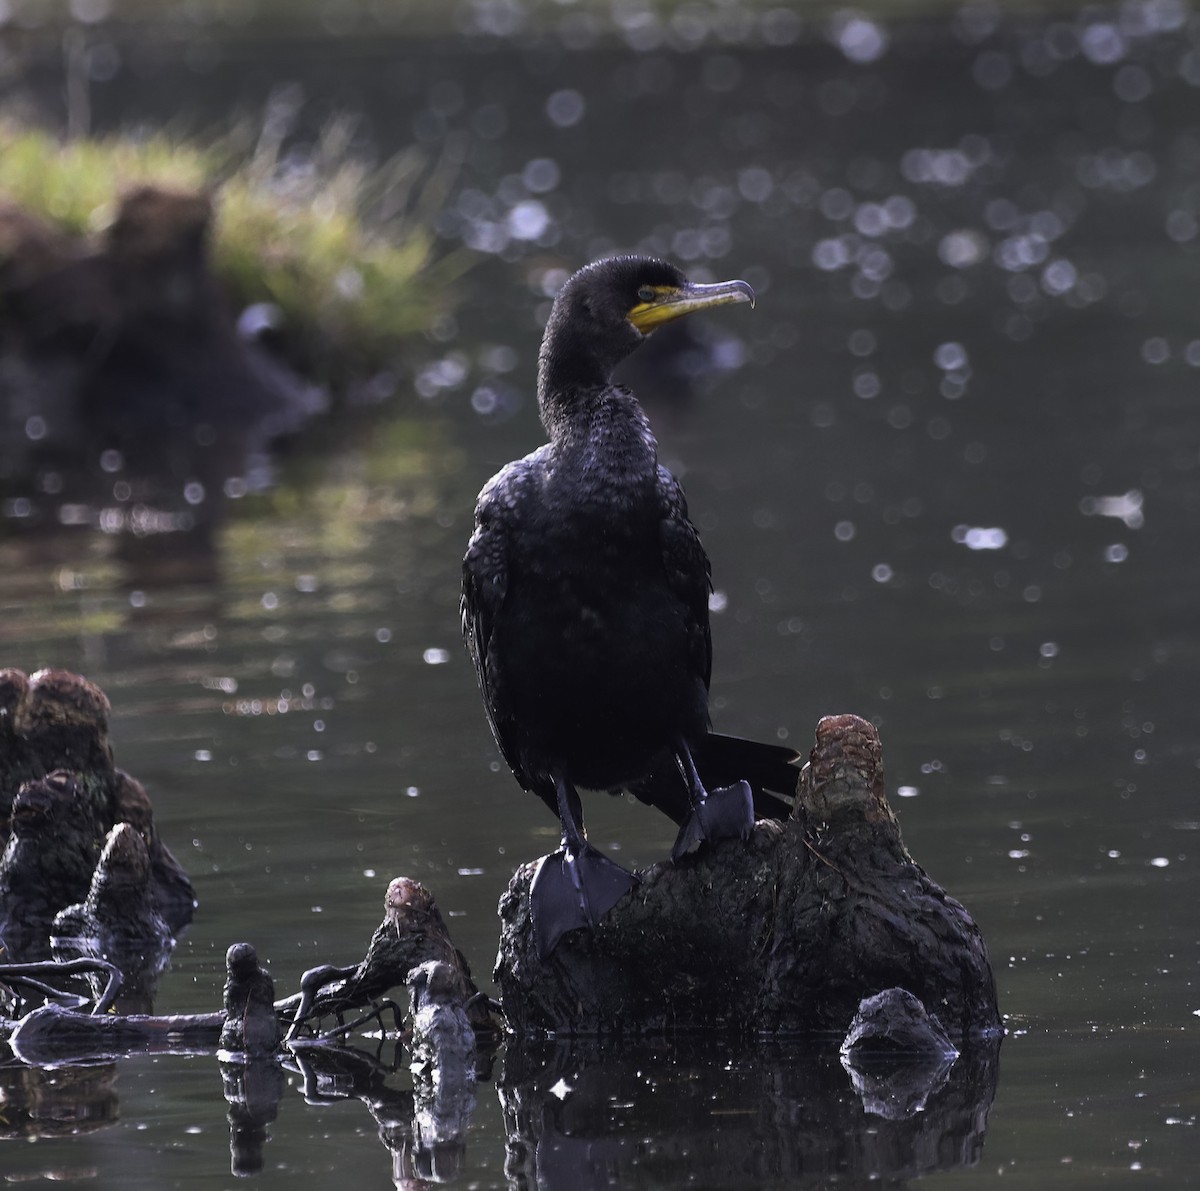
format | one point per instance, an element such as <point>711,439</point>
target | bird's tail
<point>721,760</point>
<point>770,769</point>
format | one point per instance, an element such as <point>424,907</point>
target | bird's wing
<point>484,587</point>
<point>687,568</point>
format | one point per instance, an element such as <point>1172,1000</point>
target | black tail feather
<point>723,761</point>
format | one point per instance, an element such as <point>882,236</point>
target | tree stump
<point>785,933</point>
<point>60,795</point>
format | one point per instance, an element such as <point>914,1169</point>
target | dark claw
<point>572,892</point>
<point>726,813</point>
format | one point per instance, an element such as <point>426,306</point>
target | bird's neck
<point>603,421</point>
<point>568,409</point>
<point>575,370</point>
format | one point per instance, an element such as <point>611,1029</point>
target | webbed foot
<point>725,813</point>
<point>572,891</point>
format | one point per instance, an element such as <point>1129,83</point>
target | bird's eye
<point>646,294</point>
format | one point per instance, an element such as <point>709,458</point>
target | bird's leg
<point>570,816</point>
<point>575,886</point>
<point>691,776</point>
<point>724,813</point>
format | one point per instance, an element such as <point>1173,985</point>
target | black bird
<point>585,604</point>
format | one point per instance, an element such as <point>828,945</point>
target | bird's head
<point>606,309</point>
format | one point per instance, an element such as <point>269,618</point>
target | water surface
<point>948,473</point>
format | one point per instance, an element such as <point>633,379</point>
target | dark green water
<point>976,254</point>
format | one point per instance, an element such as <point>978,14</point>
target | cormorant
<point>585,604</point>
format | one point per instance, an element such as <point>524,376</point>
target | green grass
<point>345,250</point>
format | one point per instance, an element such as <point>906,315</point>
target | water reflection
<point>58,1103</point>
<point>574,1116</point>
<point>773,1114</point>
<point>424,1130</point>
<point>253,1088</point>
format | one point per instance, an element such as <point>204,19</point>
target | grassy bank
<point>345,251</point>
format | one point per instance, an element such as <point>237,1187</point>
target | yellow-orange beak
<point>671,302</point>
